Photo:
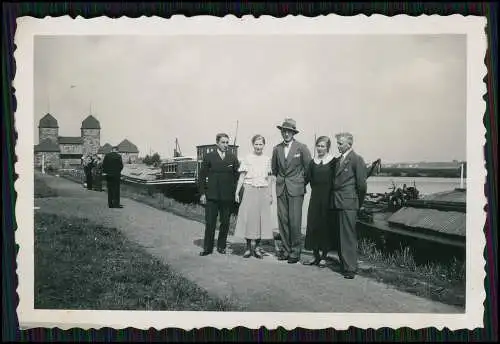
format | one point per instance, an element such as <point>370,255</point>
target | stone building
<point>56,151</point>
<point>91,135</point>
<point>127,150</point>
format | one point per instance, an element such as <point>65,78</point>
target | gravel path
<point>258,285</point>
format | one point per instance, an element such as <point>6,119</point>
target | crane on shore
<point>177,149</point>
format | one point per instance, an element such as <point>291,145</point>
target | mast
<point>314,146</point>
<point>234,141</point>
<point>461,175</point>
<point>235,134</point>
<point>177,149</point>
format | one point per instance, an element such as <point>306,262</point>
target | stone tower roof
<point>90,123</point>
<point>127,147</point>
<point>48,121</point>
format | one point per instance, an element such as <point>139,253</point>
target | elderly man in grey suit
<point>289,163</point>
<point>349,190</point>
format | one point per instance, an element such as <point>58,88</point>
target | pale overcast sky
<point>402,97</point>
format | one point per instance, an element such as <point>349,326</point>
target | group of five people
<point>338,188</point>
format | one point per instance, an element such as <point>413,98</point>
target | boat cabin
<point>180,167</point>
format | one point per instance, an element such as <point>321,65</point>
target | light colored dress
<point>254,215</point>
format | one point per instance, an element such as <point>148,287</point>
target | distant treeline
<point>421,172</point>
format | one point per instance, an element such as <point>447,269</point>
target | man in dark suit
<point>349,191</point>
<point>289,163</point>
<point>112,166</point>
<point>217,186</point>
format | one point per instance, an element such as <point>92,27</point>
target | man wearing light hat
<point>289,163</point>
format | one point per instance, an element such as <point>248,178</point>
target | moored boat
<point>434,224</point>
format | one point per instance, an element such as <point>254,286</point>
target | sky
<point>403,97</point>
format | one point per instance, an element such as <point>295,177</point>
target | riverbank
<point>439,282</point>
<point>261,285</point>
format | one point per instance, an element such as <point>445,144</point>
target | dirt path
<point>258,285</point>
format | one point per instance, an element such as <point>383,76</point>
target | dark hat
<point>288,124</point>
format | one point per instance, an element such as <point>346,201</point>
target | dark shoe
<point>349,275</point>
<point>258,253</point>
<point>205,253</point>
<point>293,260</point>
<point>282,257</point>
<point>322,263</point>
<point>221,250</point>
<point>120,206</point>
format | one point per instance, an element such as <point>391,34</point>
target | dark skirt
<point>322,229</point>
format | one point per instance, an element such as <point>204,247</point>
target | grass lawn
<point>42,189</point>
<point>80,265</point>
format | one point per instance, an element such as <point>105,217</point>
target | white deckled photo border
<point>471,26</point>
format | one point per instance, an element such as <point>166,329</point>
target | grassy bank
<point>439,282</point>
<point>81,265</point>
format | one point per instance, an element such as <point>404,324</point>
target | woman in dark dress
<point>320,234</point>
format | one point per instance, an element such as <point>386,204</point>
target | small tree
<point>147,160</point>
<point>155,159</point>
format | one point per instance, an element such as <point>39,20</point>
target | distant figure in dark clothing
<point>87,168</point>
<point>97,174</point>
<point>217,182</point>
<point>112,166</point>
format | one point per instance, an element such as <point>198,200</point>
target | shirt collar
<point>326,159</point>
<point>288,144</point>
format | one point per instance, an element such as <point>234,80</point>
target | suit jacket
<point>290,171</point>
<point>349,184</point>
<point>217,177</point>
<point>112,164</point>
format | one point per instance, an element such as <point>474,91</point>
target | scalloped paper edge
<point>472,26</point>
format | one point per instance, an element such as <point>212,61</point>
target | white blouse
<point>257,168</point>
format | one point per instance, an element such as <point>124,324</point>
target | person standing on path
<point>112,166</point>
<point>217,185</point>
<point>349,191</point>
<point>87,168</point>
<point>321,234</point>
<point>254,214</point>
<point>288,163</point>
<point>97,174</point>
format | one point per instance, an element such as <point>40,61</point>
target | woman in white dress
<point>254,215</point>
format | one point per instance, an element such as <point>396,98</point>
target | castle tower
<point>91,135</point>
<point>48,129</point>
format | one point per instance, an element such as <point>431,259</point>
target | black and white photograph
<point>312,172</point>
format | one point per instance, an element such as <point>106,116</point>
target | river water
<point>379,184</point>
